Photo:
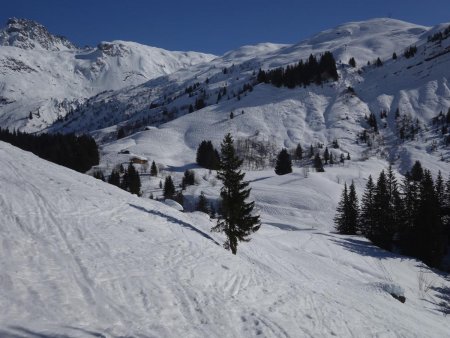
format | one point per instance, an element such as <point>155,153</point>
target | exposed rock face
<point>28,34</point>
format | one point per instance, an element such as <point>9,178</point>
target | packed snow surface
<point>82,258</point>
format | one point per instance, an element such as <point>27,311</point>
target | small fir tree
<point>169,188</point>
<point>202,204</point>
<point>284,163</point>
<point>299,152</point>
<point>153,169</point>
<point>318,165</point>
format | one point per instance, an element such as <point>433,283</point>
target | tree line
<point>79,153</point>
<point>303,73</point>
<point>412,217</point>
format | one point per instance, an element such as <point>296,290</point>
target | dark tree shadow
<point>176,221</point>
<point>443,297</point>
<point>363,248</point>
<point>183,168</point>
<point>288,227</point>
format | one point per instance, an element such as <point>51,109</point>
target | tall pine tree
<point>236,221</point>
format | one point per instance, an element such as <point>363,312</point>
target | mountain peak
<point>29,34</point>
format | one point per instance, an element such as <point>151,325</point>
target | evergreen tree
<point>353,210</point>
<point>134,181</point>
<point>366,224</point>
<point>179,197</point>
<point>98,174</point>
<point>348,156</point>
<point>318,165</point>
<point>382,233</point>
<point>331,158</point>
<point>352,62</point>
<point>169,188</point>
<point>202,204</point>
<point>342,159</point>
<point>326,155</point>
<point>299,152</point>
<point>188,179</point>
<point>284,163</point>
<point>153,169</point>
<point>114,178</point>
<point>417,172</point>
<point>236,221</point>
<point>311,151</point>
<point>446,209</point>
<point>346,219</point>
<point>379,63</point>
<point>394,56</point>
<point>395,213</point>
<point>431,242</point>
<point>340,220</point>
<point>207,156</point>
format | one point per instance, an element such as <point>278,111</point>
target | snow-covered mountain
<point>82,258</point>
<point>418,87</point>
<point>44,76</point>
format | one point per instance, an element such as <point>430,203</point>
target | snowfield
<point>81,258</point>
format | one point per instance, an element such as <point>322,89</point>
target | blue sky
<point>211,26</point>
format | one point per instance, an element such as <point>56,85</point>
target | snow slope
<point>417,86</point>
<point>48,76</point>
<point>82,258</point>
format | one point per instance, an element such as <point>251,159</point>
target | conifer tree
<point>114,178</point>
<point>188,179</point>
<point>236,221</point>
<point>153,169</point>
<point>98,174</point>
<point>134,181</point>
<point>367,219</point>
<point>169,188</point>
<point>311,151</point>
<point>202,204</point>
<point>326,155</point>
<point>382,232</point>
<point>340,220</point>
<point>352,62</point>
<point>346,219</point>
<point>284,163</point>
<point>299,152</point>
<point>431,242</point>
<point>318,165</point>
<point>207,156</point>
<point>353,210</point>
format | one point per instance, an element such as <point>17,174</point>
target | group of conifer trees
<point>207,156</point>
<point>412,217</point>
<point>302,74</point>
<point>79,153</point>
<point>126,179</point>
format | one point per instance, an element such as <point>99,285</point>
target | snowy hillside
<point>82,258</point>
<point>418,87</point>
<point>44,76</point>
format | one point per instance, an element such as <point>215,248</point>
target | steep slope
<point>364,41</point>
<point>418,87</point>
<point>45,76</point>
<point>81,258</point>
